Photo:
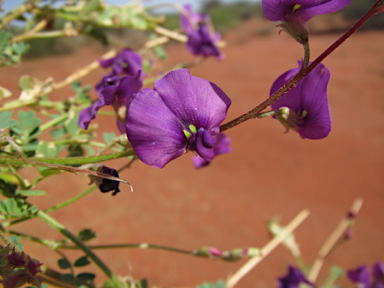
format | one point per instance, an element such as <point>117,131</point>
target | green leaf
<point>5,121</point>
<point>82,261</point>
<point>28,193</point>
<point>58,133</point>
<point>7,189</point>
<point>86,277</point>
<point>68,278</point>
<point>144,283</point>
<point>86,235</point>
<point>26,82</point>
<point>71,123</point>
<point>45,149</point>
<point>16,241</point>
<point>4,38</point>
<point>49,172</point>
<point>64,264</point>
<point>108,137</point>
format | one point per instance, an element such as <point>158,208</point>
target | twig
<point>84,71</point>
<point>39,26</point>
<point>332,240</point>
<point>271,245</point>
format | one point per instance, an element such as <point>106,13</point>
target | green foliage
<point>16,241</point>
<point>218,284</point>
<point>5,121</point>
<point>16,208</point>
<point>64,263</point>
<point>10,53</point>
<point>68,278</point>
<point>26,130</point>
<point>86,277</point>
<point>7,189</point>
<point>144,283</point>
<point>86,235</point>
<point>82,261</point>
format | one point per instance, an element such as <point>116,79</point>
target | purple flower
<point>293,279</point>
<point>114,91</point>
<point>295,13</point>
<point>181,113</point>
<point>202,39</point>
<point>125,63</point>
<point>361,277</point>
<point>222,146</point>
<point>305,108</point>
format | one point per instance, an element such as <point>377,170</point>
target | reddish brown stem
<point>378,7</point>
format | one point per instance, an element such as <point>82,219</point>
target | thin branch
<point>247,267</point>
<point>332,240</point>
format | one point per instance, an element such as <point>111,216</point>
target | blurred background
<point>269,173</point>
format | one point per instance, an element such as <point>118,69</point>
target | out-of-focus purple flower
<point>305,108</point>
<point>181,113</point>
<point>189,19</point>
<point>293,279</point>
<point>222,146</point>
<point>117,92</point>
<point>125,63</point>
<point>295,13</point>
<point>202,39</point>
<point>360,276</point>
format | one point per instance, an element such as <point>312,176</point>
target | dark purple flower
<point>222,146</point>
<point>125,63</point>
<point>361,277</point>
<point>181,113</point>
<point>202,39</point>
<point>293,279</point>
<point>204,42</point>
<point>104,184</point>
<point>295,13</point>
<point>117,92</point>
<point>305,108</point>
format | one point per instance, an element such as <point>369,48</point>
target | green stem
<point>53,208</point>
<point>54,121</point>
<point>7,160</point>
<point>60,228</point>
<point>306,55</point>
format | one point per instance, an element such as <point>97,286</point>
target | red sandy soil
<point>268,173</point>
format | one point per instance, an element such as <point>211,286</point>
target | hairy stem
<point>303,72</point>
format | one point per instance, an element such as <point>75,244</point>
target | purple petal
<point>204,144</point>
<point>309,96</point>
<point>282,10</point>
<point>314,100</point>
<point>203,42</point>
<point>127,62</point>
<point>360,276</point>
<point>189,19</point>
<point>378,275</point>
<point>222,146</point>
<point>293,279</point>
<point>88,114</point>
<point>155,133</point>
<point>193,100</point>
<point>128,87</point>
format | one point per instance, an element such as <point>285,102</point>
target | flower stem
<point>60,228</point>
<point>306,54</point>
<point>303,72</point>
